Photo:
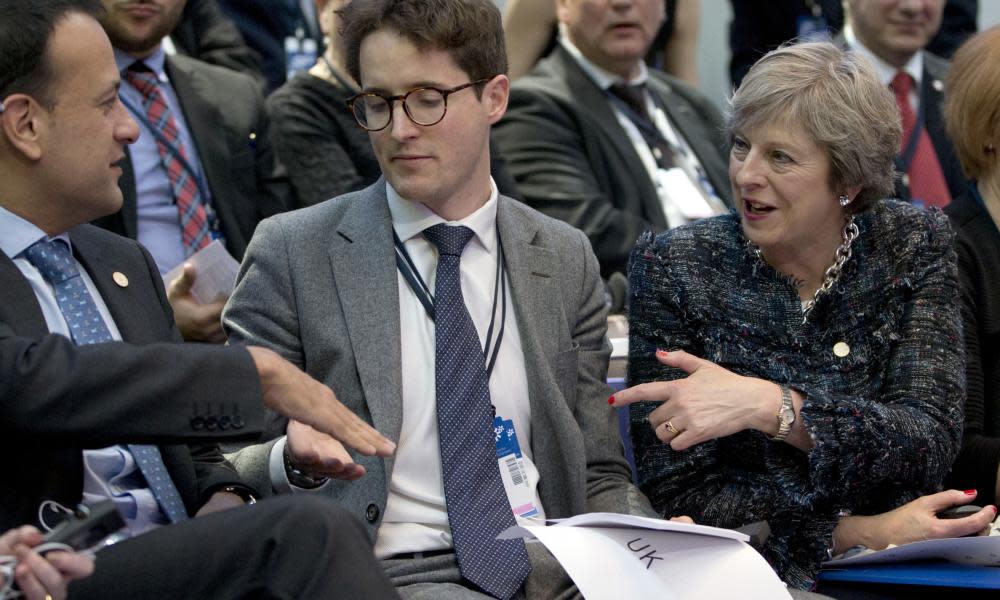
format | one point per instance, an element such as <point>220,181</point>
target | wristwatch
<point>786,414</point>
<point>300,479</point>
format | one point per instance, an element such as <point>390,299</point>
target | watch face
<point>788,415</point>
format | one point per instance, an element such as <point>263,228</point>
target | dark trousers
<point>284,547</point>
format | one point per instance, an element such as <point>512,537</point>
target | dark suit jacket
<point>225,113</point>
<point>573,161</point>
<point>977,244</point>
<point>932,99</point>
<point>207,34</point>
<point>55,402</point>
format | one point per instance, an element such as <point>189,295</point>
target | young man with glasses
<point>460,323</point>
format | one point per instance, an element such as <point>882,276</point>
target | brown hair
<point>972,101</point>
<point>839,101</point>
<point>468,30</point>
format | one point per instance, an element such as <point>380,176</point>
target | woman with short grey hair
<point>799,361</point>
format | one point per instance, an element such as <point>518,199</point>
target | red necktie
<point>927,183</point>
<point>195,233</point>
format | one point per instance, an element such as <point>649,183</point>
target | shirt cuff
<point>279,478</point>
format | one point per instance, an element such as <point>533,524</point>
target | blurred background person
<point>316,136</point>
<point>596,138</point>
<point>530,29</point>
<point>972,113</point>
<point>800,361</point>
<point>759,26</point>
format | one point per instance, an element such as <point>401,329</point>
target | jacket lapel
<point>364,269</point>
<point>588,95</point>
<point>131,320</point>
<point>18,307</point>
<point>201,114</point>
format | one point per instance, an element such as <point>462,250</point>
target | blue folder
<point>941,574</point>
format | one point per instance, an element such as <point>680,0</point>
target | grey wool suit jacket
<point>319,286</point>
<point>572,160</point>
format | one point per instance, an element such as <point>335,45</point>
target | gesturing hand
<point>711,402</point>
<point>289,391</point>
<point>319,455</point>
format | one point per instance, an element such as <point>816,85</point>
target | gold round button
<point>120,279</point>
<point>841,349</point>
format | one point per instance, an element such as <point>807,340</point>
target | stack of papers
<point>620,556</point>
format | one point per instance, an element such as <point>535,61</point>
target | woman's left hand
<point>711,402</point>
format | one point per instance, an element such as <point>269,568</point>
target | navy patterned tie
<point>56,264</point>
<point>478,509</point>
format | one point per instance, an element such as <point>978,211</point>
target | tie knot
<point>53,260</point>
<point>141,77</point>
<point>632,95</point>
<point>449,239</point>
<point>901,83</point>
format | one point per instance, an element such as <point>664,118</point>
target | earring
<point>844,200</point>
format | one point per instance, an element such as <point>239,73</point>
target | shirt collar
<point>156,61</point>
<point>604,79</point>
<point>410,218</point>
<point>914,67</point>
<point>18,234</point>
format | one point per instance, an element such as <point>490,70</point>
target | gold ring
<point>48,596</point>
<point>671,428</point>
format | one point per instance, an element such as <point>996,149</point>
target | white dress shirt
<point>913,67</point>
<point>416,518</point>
<point>671,200</point>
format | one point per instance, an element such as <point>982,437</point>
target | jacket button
<point>211,423</point>
<point>372,513</point>
<point>224,422</point>
<point>238,422</point>
<point>197,423</point>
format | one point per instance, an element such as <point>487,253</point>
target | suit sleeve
<point>609,485</point>
<point>128,393</point>
<point>262,311</point>
<point>273,186</point>
<point>550,161</point>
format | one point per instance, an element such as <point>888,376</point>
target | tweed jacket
<point>319,286</point>
<point>886,418</point>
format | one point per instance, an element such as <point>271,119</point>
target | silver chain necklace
<point>832,273</point>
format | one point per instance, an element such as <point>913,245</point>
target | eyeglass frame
<point>391,101</point>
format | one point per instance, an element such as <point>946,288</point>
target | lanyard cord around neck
<point>423,293</point>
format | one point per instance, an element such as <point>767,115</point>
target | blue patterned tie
<point>56,264</point>
<point>478,509</point>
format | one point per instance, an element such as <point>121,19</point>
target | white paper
<point>982,551</point>
<point>619,556</point>
<point>215,273</point>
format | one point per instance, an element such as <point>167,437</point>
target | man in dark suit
<point>206,33</point>
<point>64,130</point>
<point>203,167</point>
<point>595,138</point>
<point>893,35</point>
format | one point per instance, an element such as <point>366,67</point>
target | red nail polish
<point>662,353</point>
<point>611,400</point>
<point>994,509</point>
<point>970,492</point>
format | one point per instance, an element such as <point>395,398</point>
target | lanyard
<point>423,293</point>
<point>649,131</point>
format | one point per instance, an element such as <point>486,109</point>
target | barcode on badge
<point>514,468</point>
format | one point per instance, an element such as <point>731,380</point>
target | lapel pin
<point>937,85</point>
<point>841,349</point>
<point>120,279</point>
